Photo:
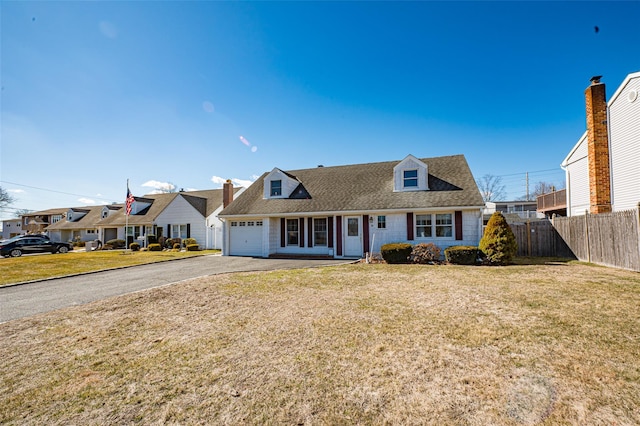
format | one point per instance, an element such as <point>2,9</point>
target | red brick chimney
<point>227,193</point>
<point>598,147</point>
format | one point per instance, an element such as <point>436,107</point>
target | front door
<point>352,239</point>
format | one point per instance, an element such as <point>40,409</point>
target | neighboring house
<point>37,222</point>
<point>348,211</point>
<point>513,211</point>
<point>191,214</point>
<point>602,169</point>
<point>79,224</point>
<point>11,228</point>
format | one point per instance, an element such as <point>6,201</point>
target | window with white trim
<point>410,178</point>
<point>382,222</point>
<point>320,232</point>
<point>292,232</point>
<point>276,188</point>
<point>178,231</point>
<point>423,226</point>
<point>444,225</point>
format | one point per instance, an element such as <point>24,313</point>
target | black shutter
<point>188,230</point>
<point>310,232</point>
<point>365,232</point>
<point>330,231</point>
<point>301,231</point>
<point>283,232</point>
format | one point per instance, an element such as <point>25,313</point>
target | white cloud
<point>16,191</point>
<point>86,200</point>
<point>159,187</point>
<point>237,182</point>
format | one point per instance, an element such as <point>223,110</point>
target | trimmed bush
<point>425,253</point>
<point>116,243</point>
<point>134,246</point>
<point>151,239</point>
<point>462,255</point>
<point>176,246</point>
<point>498,242</point>
<point>155,247</point>
<point>396,252</point>
<point>193,247</point>
<point>189,241</point>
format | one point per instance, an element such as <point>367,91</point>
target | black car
<point>27,244</point>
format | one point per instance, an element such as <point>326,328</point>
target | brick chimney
<point>227,193</point>
<point>598,147</point>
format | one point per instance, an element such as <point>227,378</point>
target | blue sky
<point>189,93</point>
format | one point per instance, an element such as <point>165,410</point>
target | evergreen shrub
<point>155,247</point>
<point>462,255</point>
<point>396,252</point>
<point>134,246</point>
<point>498,242</point>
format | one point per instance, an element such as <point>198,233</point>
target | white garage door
<point>246,238</point>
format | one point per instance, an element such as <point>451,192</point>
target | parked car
<point>27,244</point>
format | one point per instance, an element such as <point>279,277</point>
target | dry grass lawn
<point>355,344</point>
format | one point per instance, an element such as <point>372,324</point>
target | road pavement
<point>43,296</point>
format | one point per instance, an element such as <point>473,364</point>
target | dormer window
<point>410,178</point>
<point>410,174</point>
<point>276,188</point>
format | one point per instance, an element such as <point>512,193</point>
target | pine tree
<point>498,242</point>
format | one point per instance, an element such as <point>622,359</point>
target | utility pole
<point>527,178</point>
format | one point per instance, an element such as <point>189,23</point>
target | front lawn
<point>27,268</point>
<point>354,344</point>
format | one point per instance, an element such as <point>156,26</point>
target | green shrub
<point>425,253</point>
<point>396,252</point>
<point>116,243</point>
<point>498,242</point>
<point>176,246</point>
<point>155,247</point>
<point>193,247</point>
<point>151,239</point>
<point>134,246</point>
<point>189,241</point>
<point>462,255</point>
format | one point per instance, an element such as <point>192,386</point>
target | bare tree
<point>5,198</point>
<point>491,188</point>
<point>545,188</point>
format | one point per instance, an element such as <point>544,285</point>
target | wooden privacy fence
<point>539,238</point>
<point>611,239</point>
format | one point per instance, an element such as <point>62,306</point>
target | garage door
<point>246,238</point>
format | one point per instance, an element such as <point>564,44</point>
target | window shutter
<point>188,230</point>
<point>410,226</point>
<point>458,222</point>
<point>330,231</point>
<point>283,232</point>
<point>365,232</point>
<point>301,231</point>
<point>339,235</point>
<point>310,232</point>
<point>168,230</point>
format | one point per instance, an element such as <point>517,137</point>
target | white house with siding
<point>620,121</point>
<point>349,211</point>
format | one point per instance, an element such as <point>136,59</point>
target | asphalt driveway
<point>44,296</point>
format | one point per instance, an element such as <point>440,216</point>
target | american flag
<point>130,201</point>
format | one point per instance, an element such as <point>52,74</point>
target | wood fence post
<point>638,225</point>
<point>528,238</point>
<point>586,233</point>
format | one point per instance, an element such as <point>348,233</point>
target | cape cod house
<point>602,169</point>
<point>190,214</point>
<point>348,211</point>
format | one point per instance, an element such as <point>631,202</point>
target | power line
<point>53,190</point>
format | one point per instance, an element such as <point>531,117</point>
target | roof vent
<point>320,165</point>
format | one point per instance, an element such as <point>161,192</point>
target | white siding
<point>576,166</point>
<point>410,163</point>
<point>624,137</point>
<point>396,231</point>
<point>180,212</point>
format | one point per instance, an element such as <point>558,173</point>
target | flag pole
<point>126,221</point>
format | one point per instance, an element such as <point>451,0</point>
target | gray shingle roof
<point>366,187</point>
<point>88,221</point>
<point>205,202</point>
